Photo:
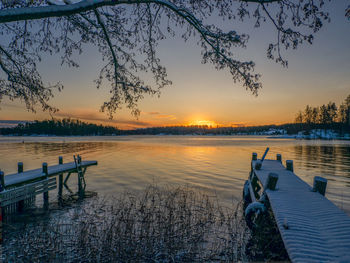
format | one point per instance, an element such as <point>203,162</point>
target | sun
<point>203,123</point>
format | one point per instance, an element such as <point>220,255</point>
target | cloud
<point>9,105</point>
<point>158,115</point>
<point>96,117</point>
<point>150,113</point>
<point>150,119</point>
<point>166,116</point>
<point>238,124</point>
<point>10,123</point>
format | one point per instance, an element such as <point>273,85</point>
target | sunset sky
<point>317,74</point>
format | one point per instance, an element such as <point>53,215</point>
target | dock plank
<point>318,231</point>
<point>53,170</point>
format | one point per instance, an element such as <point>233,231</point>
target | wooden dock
<point>54,170</point>
<point>20,188</point>
<point>312,228</point>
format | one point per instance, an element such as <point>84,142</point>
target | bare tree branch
<point>99,20</point>
<point>126,33</point>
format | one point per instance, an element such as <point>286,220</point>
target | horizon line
<point>14,123</point>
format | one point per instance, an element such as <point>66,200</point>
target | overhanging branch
<point>32,13</point>
<point>217,44</point>
<point>109,42</point>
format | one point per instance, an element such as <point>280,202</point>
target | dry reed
<point>169,224</point>
<point>162,224</point>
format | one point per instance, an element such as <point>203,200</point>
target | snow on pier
<point>313,229</point>
<point>23,177</point>
<point>19,190</point>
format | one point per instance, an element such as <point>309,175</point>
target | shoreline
<point>267,136</point>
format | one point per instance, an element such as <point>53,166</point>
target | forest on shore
<point>58,127</point>
<point>325,117</point>
<point>72,127</point>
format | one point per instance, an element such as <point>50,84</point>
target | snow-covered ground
<point>318,134</point>
<point>321,134</point>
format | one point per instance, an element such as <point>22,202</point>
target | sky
<point>316,74</point>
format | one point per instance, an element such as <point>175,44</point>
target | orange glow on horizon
<point>203,123</point>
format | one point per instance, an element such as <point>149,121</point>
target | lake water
<point>217,163</point>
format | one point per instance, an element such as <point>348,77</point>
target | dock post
<point>60,181</point>
<point>80,186</point>
<point>2,181</point>
<point>258,165</point>
<point>46,194</point>
<point>20,204</point>
<point>289,164</point>
<point>254,156</point>
<point>320,185</point>
<point>0,225</point>
<point>279,157</point>
<point>2,187</point>
<point>271,181</point>
<point>20,167</point>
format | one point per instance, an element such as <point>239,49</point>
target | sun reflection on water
<point>220,163</point>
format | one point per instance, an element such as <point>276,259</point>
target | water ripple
<point>220,163</point>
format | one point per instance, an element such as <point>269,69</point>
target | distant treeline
<point>68,127</point>
<point>60,127</point>
<point>328,116</point>
<point>324,117</point>
<point>207,130</point>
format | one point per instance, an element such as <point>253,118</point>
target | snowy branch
<point>126,33</point>
<point>32,13</point>
<point>110,45</point>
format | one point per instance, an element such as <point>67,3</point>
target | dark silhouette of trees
<point>314,115</point>
<point>332,110</point>
<point>60,128</point>
<point>344,114</point>
<point>127,32</point>
<point>308,115</point>
<point>71,127</point>
<point>326,116</point>
<point>347,106</point>
<point>299,117</point>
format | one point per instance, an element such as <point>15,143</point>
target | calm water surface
<point>213,162</point>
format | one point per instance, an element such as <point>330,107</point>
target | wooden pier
<point>22,187</point>
<point>19,190</point>
<point>312,228</point>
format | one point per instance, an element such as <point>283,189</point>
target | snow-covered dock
<point>18,189</point>
<point>312,228</point>
<point>54,170</point>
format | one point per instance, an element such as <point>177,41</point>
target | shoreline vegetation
<point>160,224</point>
<point>327,121</point>
<point>72,127</point>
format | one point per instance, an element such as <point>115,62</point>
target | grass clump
<point>162,224</point>
<point>265,243</point>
